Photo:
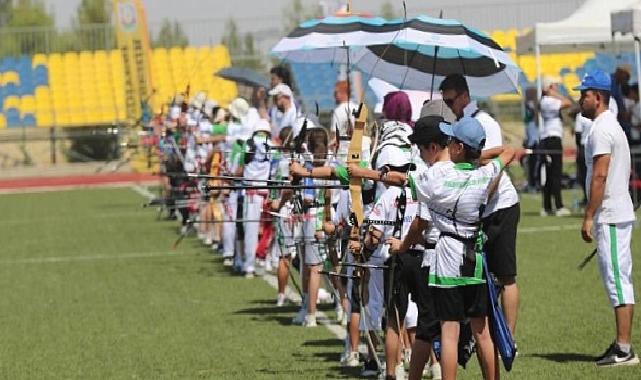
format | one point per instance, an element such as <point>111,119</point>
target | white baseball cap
<point>239,108</point>
<point>281,89</point>
<point>393,156</point>
<point>262,125</point>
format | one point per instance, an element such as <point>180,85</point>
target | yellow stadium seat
<point>11,102</point>
<point>27,104</point>
<point>38,59</point>
<point>3,121</point>
<point>10,77</point>
<point>44,119</point>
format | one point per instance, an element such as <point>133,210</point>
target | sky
<point>204,20</point>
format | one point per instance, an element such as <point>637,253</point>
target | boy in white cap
<point>287,114</point>
<point>237,134</point>
<point>609,215</point>
<point>257,167</point>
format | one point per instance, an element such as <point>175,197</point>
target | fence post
<point>52,139</point>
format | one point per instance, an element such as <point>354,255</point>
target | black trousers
<point>553,171</point>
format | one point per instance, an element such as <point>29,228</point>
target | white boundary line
<point>70,259</point>
<point>143,191</point>
<point>565,227</point>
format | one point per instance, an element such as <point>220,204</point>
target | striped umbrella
<point>415,54</point>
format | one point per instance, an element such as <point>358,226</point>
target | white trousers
<point>252,210</point>
<point>615,261</point>
<point>230,207</point>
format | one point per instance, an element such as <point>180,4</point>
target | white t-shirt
<point>431,234</point>
<point>385,209</point>
<point>552,124</point>
<point>260,165</point>
<point>505,195</point>
<point>454,194</point>
<point>280,120</point>
<point>607,137</point>
<point>343,117</point>
<point>583,124</point>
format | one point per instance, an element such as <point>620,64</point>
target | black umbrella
<point>244,76</point>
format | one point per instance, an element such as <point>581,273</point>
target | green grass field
<point>93,290</point>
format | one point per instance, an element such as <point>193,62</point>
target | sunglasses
<point>450,101</point>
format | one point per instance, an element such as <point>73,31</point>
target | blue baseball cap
<point>467,130</point>
<point>595,80</point>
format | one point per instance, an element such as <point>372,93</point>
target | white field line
<point>565,227</point>
<point>70,259</point>
<point>143,191</point>
<point>111,215</point>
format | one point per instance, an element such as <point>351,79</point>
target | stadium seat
<point>3,121</point>
<point>29,120</point>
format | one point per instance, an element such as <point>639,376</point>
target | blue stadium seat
<point>11,89</point>
<point>13,118</point>
<point>29,120</point>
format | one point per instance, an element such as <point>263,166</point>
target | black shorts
<point>428,326</point>
<point>500,247</point>
<point>407,269</point>
<point>456,304</point>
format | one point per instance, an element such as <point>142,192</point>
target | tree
<point>296,13</point>
<point>170,35</point>
<point>26,14</point>
<point>93,12</point>
<point>388,11</point>
<point>5,12</point>
<point>92,27</point>
<point>241,48</point>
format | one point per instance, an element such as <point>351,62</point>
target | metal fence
<point>46,40</point>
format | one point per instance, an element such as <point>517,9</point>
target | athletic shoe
<point>614,356</point>
<point>435,372</point>
<point>407,356</point>
<point>370,368</point>
<point>300,317</point>
<point>352,360</point>
<point>208,241</point>
<point>399,371</point>
<point>249,274</point>
<point>228,262</point>
<point>280,300</point>
<point>545,212</point>
<point>310,321</point>
<point>268,266</point>
<point>563,212</point>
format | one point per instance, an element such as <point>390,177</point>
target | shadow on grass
<point>324,343</point>
<point>564,357</point>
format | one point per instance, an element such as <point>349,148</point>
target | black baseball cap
<point>426,130</point>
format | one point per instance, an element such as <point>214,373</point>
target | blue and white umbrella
<point>405,53</point>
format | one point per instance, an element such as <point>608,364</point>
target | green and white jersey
<point>454,194</point>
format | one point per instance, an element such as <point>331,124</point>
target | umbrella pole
<point>434,65</point>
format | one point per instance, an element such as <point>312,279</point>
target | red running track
<point>86,180</point>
